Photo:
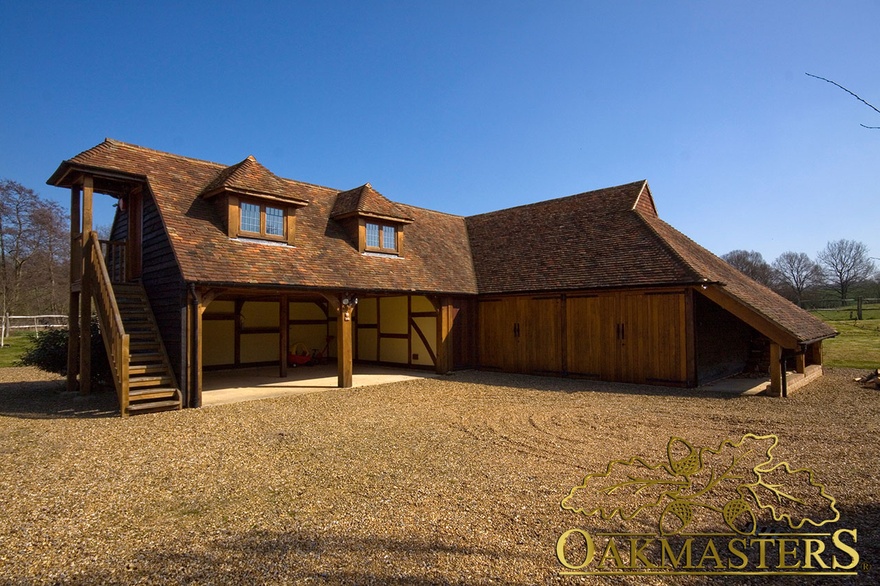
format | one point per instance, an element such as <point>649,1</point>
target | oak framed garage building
<point>215,266</point>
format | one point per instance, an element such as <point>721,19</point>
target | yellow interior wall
<point>220,307</point>
<point>313,335</point>
<point>259,347</point>
<point>394,350</point>
<point>420,304</point>
<point>366,344</point>
<point>428,326</point>
<point>305,310</point>
<point>259,314</point>
<point>393,315</point>
<point>218,342</point>
<point>366,311</point>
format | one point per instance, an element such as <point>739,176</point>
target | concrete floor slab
<point>248,384</point>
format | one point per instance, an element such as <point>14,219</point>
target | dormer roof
<point>367,202</point>
<point>249,177</point>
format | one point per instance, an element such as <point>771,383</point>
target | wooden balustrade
<point>114,259</point>
<point>116,341</point>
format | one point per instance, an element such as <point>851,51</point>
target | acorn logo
<point>715,510</point>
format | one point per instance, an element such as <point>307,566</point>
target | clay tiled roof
<point>801,324</point>
<point>608,238</point>
<point>611,238</point>
<point>585,241</point>
<point>249,177</point>
<point>324,257</point>
<point>366,201</point>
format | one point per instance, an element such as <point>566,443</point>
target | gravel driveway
<point>456,480</point>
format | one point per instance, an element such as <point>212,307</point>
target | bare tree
<point>853,94</point>
<point>752,264</point>
<point>18,240</point>
<point>795,273</point>
<point>47,270</point>
<point>33,252</point>
<point>845,263</point>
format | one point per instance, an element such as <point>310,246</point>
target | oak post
<point>445,318</point>
<point>800,362</point>
<point>85,310</point>
<point>344,350</point>
<point>775,370</point>
<point>284,337</point>
<point>690,339</point>
<point>75,289</point>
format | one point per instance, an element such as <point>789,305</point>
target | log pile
<point>872,379</point>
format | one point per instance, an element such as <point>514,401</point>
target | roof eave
<point>67,173</point>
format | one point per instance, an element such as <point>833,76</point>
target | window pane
<point>250,217</point>
<point>274,221</point>
<point>389,240</point>
<point>372,235</point>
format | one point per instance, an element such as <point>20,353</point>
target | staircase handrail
<point>116,341</point>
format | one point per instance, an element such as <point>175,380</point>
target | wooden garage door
<point>627,337</point>
<point>591,335</point>
<point>652,338</point>
<point>521,334</point>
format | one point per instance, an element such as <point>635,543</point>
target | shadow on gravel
<point>50,400</point>
<point>300,557</point>
<point>575,385</point>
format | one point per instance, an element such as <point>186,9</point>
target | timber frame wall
<point>641,336</point>
<point>645,336</point>
<point>629,335</point>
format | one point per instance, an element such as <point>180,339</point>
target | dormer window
<point>381,238</point>
<point>262,221</point>
<point>373,223</point>
<point>255,203</point>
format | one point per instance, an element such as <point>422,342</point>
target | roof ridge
<point>424,209</point>
<point>556,199</point>
<point>113,141</point>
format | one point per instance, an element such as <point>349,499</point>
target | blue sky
<point>468,107</point>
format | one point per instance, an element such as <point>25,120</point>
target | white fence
<point>10,323</point>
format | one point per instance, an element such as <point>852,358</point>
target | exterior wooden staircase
<point>151,383</point>
<point>141,370</point>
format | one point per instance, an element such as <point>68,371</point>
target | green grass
<point>12,351</point>
<point>857,346</point>
<point>869,312</point>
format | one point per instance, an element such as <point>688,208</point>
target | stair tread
<point>144,357</point>
<point>153,405</point>
<point>136,369</point>
<point>152,393</point>
<point>147,380</point>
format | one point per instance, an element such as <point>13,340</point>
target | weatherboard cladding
<point>608,238</point>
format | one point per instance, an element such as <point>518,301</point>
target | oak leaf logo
<point>738,481</point>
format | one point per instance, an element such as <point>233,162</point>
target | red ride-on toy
<point>299,355</point>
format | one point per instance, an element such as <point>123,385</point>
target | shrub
<point>48,351</point>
